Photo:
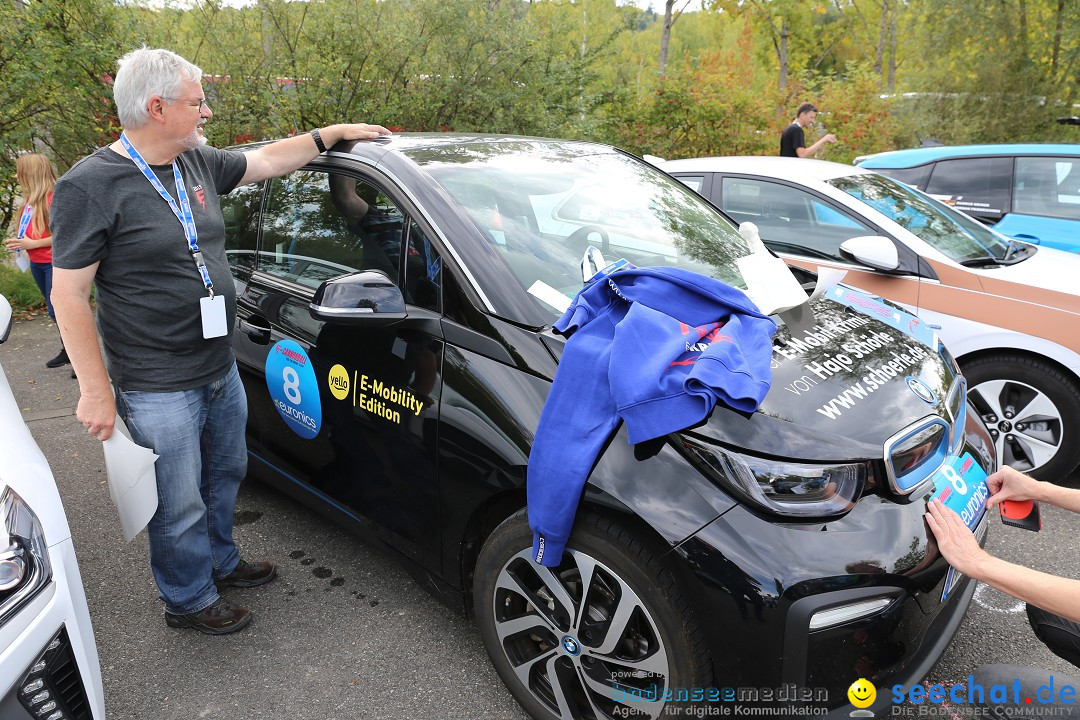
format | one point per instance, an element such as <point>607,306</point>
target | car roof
<point>770,165</point>
<point>402,143</point>
<point>918,156</point>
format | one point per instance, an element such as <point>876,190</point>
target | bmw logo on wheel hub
<point>571,646</point>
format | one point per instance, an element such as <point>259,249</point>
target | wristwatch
<point>318,140</point>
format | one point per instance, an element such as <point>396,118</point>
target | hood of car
<point>843,384</point>
<point>1048,271</point>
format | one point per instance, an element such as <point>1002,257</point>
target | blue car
<point>1028,191</point>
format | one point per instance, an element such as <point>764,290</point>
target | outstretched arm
<point>286,155</point>
<point>959,547</point>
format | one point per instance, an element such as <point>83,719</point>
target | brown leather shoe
<point>248,574</point>
<point>220,618</point>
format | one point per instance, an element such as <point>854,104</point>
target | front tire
<point>610,614</point>
<point>1033,411</point>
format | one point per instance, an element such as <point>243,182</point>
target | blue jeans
<point>42,273</point>
<point>199,437</point>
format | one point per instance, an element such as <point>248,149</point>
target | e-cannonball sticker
<point>339,382</point>
<point>293,388</point>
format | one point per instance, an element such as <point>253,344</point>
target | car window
<point>694,182</point>
<point>952,233</point>
<point>915,177</point>
<point>240,208</point>
<point>541,205</point>
<point>423,271</point>
<point>318,225</point>
<point>979,186</point>
<point>1047,186</point>
<point>790,219</point>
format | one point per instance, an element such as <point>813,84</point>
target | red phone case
<point>1021,513</point>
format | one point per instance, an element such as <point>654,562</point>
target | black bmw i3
<point>394,308</point>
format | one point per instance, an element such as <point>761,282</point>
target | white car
<point>1007,310</point>
<point>48,658</point>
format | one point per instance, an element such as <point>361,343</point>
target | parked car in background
<point>1008,311</point>
<point>395,303</point>
<point>48,658</point>
<point>1029,191</point>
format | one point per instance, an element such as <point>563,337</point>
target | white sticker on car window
<point>547,294</point>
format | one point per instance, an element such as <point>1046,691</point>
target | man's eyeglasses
<point>201,104</point>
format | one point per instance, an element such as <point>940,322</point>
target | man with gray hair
<point>141,219</point>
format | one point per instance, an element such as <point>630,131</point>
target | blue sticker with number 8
<point>293,388</point>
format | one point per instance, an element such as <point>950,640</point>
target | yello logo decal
<point>339,382</point>
<point>293,388</point>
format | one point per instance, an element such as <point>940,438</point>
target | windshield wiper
<point>982,261</point>
<point>1013,245</point>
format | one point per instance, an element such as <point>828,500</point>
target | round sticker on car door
<point>293,388</point>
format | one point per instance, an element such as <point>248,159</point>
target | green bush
<point>19,287</point>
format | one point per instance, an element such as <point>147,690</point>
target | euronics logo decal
<point>293,388</point>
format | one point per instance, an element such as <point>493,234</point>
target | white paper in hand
<point>769,282</point>
<point>22,261</point>
<point>132,480</point>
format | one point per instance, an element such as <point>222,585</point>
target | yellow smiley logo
<point>339,382</point>
<point>862,693</point>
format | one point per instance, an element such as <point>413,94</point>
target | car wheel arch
<point>487,517</point>
<point>1025,368</point>
<point>642,563</point>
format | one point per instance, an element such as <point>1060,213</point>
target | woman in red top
<point>36,178</point>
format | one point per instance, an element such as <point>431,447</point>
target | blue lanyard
<point>182,213</point>
<point>24,221</point>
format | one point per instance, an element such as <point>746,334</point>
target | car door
<point>1046,202</point>
<point>348,413</point>
<point>979,186</point>
<point>806,229</point>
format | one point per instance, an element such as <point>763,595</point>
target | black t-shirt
<point>792,138</point>
<point>148,288</point>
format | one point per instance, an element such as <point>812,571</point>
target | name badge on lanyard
<point>212,307</point>
<point>22,260</point>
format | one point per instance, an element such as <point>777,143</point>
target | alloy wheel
<point>1025,424</point>
<point>580,639</point>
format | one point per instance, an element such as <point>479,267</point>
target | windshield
<point>541,204</point>
<point>953,233</point>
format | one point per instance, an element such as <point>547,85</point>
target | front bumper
<point>51,640</point>
<point>803,611</point>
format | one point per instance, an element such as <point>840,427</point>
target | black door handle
<point>255,330</point>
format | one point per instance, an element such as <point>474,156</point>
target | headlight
<point>24,556</point>
<point>798,490</point>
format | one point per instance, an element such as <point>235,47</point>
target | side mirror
<point>872,250</point>
<point>364,298</point>
<point>5,318</point>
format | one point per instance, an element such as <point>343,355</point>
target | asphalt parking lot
<point>344,632</point>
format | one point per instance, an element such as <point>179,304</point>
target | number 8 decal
<point>954,478</point>
<point>293,388</point>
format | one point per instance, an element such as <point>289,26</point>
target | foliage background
<point>885,73</point>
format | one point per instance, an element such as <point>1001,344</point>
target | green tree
<point>56,57</point>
